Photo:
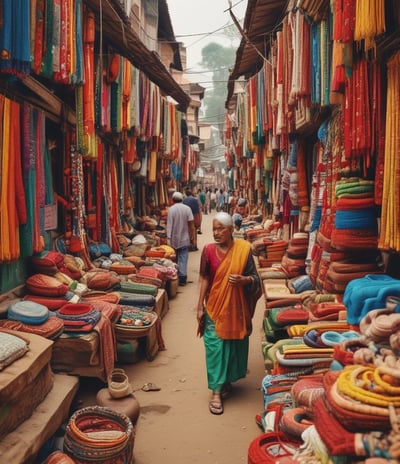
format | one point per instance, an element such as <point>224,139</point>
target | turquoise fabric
<point>226,359</point>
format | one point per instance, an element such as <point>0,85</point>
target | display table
<point>79,355</point>
<point>162,303</point>
<point>152,336</point>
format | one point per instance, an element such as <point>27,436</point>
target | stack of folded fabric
<point>138,288</point>
<point>274,252</point>
<point>356,225</point>
<point>79,317</point>
<point>258,247</point>
<point>327,311</point>
<point>31,317</point>
<point>294,260</point>
<point>341,272</point>
<point>277,319</point>
<point>256,233</point>
<point>148,275</point>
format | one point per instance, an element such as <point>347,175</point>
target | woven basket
<point>124,331</point>
<point>97,434</point>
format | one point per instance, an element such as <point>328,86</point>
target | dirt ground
<point>175,425</point>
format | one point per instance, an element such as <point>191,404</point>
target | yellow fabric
<point>152,175</point>
<point>227,305</point>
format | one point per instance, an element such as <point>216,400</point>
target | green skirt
<point>226,360</point>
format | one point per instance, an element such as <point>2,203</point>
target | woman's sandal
<point>150,387</point>
<point>216,407</point>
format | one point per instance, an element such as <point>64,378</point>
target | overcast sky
<point>199,22</point>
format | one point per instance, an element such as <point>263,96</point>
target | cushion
<point>101,280</point>
<point>138,288</point>
<point>28,312</point>
<point>51,303</point>
<point>51,329</point>
<point>12,348</point>
<point>41,284</point>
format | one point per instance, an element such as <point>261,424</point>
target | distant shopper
<point>180,233</point>
<point>201,196</point>
<point>229,290</point>
<point>194,205</point>
<point>208,201</point>
<point>220,200</point>
<point>213,200</point>
<point>240,213</point>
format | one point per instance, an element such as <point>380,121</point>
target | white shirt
<point>177,225</point>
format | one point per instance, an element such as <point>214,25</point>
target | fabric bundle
<point>79,317</point>
<point>390,234</point>
<point>14,36</point>
<point>28,312</point>
<point>98,434</point>
<point>353,414</point>
<point>45,285</point>
<point>326,311</point>
<point>12,347</point>
<point>138,288</point>
<point>368,293</point>
<point>340,274</point>
<point>56,38</point>
<point>277,319</point>
<point>13,209</point>
<point>356,225</point>
<point>52,328</point>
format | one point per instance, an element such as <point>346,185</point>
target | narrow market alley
<point>175,425</point>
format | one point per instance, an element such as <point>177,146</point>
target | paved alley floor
<point>175,425</point>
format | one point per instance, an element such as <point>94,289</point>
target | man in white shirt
<point>180,233</point>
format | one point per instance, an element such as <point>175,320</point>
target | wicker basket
<point>127,332</point>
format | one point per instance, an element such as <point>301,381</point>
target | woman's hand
<point>237,279</point>
<point>200,312</point>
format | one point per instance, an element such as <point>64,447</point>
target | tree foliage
<point>220,60</point>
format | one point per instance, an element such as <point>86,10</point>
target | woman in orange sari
<point>229,290</point>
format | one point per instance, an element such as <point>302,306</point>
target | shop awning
<point>120,35</point>
<point>261,19</point>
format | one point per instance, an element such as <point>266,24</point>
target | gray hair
<point>224,218</point>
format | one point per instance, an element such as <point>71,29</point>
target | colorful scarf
<point>228,306</point>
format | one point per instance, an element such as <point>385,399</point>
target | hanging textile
<point>34,177</point>
<point>390,218</point>
<point>15,56</point>
<point>12,203</point>
<point>357,129</point>
<point>88,100</point>
<point>56,39</point>
<point>126,94</point>
<point>370,21</point>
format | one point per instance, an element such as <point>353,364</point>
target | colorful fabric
<point>231,308</point>
<point>226,359</point>
<point>99,434</point>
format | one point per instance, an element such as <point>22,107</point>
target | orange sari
<point>232,308</point>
